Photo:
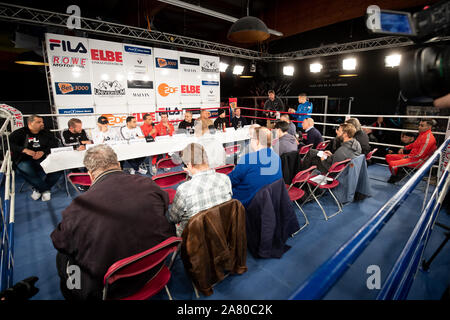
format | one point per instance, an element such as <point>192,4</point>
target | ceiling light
<point>288,70</point>
<point>348,75</point>
<point>238,69</point>
<point>246,77</point>
<point>248,30</point>
<point>349,64</point>
<point>253,67</point>
<point>223,67</point>
<point>315,67</point>
<point>393,60</point>
<point>30,58</point>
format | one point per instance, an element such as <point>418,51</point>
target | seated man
<point>148,128</point>
<point>188,123</point>
<point>238,121</point>
<point>292,130</point>
<point>285,142</point>
<point>132,132</point>
<point>30,145</point>
<point>405,139</point>
<point>164,128</point>
<point>75,135</point>
<point>221,122</point>
<point>312,134</point>
<point>349,149</point>
<point>260,167</point>
<point>206,189</point>
<point>119,216</point>
<point>204,123</point>
<point>103,133</point>
<point>420,150</point>
<point>360,135</point>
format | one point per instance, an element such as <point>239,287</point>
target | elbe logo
<point>67,46</point>
<point>164,89</point>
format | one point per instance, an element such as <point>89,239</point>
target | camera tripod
<point>426,264</point>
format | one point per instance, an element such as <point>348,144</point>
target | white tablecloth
<point>74,159</point>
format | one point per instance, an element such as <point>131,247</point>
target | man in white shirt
<point>103,133</point>
<point>132,132</point>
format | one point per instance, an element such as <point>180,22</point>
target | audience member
<point>164,128</point>
<point>221,122</point>
<point>405,139</point>
<point>360,135</point>
<point>304,107</point>
<point>238,121</point>
<point>204,190</point>
<point>30,145</point>
<point>103,133</point>
<point>379,134</point>
<point>284,142</point>
<point>292,129</point>
<point>75,135</point>
<point>119,216</point>
<point>420,150</point>
<point>260,167</point>
<point>312,134</point>
<point>132,132</point>
<point>349,149</point>
<point>148,128</point>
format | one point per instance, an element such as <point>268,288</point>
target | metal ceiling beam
<point>211,13</point>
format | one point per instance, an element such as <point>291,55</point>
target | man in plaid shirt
<point>206,189</point>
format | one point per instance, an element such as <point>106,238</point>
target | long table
<point>74,159</point>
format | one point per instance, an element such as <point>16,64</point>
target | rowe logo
<point>67,46</point>
<point>190,89</point>
<point>106,55</point>
<point>60,61</point>
<point>164,90</point>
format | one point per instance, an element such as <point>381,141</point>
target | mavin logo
<point>66,46</point>
<point>164,90</point>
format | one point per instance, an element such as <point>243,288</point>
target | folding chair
<point>170,179</point>
<point>296,193</point>
<point>81,179</point>
<point>230,150</point>
<point>305,149</point>
<point>226,169</point>
<point>336,168</point>
<point>166,163</point>
<point>321,146</point>
<point>370,154</point>
<point>151,259</point>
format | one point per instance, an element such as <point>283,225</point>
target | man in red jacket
<point>421,149</point>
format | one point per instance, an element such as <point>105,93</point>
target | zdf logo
<point>114,120</point>
<point>164,89</point>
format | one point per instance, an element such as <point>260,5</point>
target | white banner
<point>138,62</point>
<point>210,79</point>
<point>167,77</point>
<point>174,113</point>
<point>70,70</point>
<point>190,78</point>
<point>108,74</point>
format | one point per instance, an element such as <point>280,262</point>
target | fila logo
<point>190,89</point>
<point>67,46</point>
<point>106,55</point>
<point>164,90</point>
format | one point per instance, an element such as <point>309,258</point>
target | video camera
<point>424,71</point>
<point>22,290</point>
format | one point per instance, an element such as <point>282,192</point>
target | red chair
<point>170,179</point>
<point>336,168</point>
<point>232,149</point>
<point>321,146</point>
<point>370,154</point>
<point>305,149</point>
<point>143,262</point>
<point>226,169</point>
<point>166,163</point>
<point>296,193</point>
<point>81,179</point>
<point>304,136</point>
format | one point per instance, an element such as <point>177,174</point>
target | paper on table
<point>321,154</point>
<point>321,179</point>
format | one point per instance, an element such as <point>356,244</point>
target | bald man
<point>312,134</point>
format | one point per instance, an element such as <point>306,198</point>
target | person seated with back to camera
<point>204,190</point>
<point>221,122</point>
<point>313,136</point>
<point>103,133</point>
<point>256,169</point>
<point>119,216</point>
<point>284,142</point>
<point>75,136</point>
<point>360,135</point>
<point>349,149</point>
<point>238,121</point>
<point>132,132</point>
<point>292,129</point>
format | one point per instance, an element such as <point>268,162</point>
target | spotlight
<point>253,68</point>
<point>349,64</point>
<point>288,70</point>
<point>393,60</point>
<point>315,67</point>
<point>238,69</point>
<point>223,67</point>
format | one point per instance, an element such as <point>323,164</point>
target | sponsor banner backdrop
<point>70,70</point>
<point>108,77</point>
<point>174,112</point>
<point>141,108</point>
<point>190,78</point>
<point>138,62</point>
<point>167,82</point>
<point>87,121</point>
<point>210,79</point>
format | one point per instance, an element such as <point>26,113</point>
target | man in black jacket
<point>75,135</point>
<point>312,134</point>
<point>360,135</point>
<point>274,104</point>
<point>30,145</point>
<point>119,216</point>
<point>238,121</point>
<point>221,122</point>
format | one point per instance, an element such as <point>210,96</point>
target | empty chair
<point>305,149</point>
<point>153,259</point>
<point>170,179</point>
<point>80,179</point>
<point>296,193</point>
<point>226,169</point>
<point>330,183</point>
<point>321,146</point>
<point>166,163</point>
